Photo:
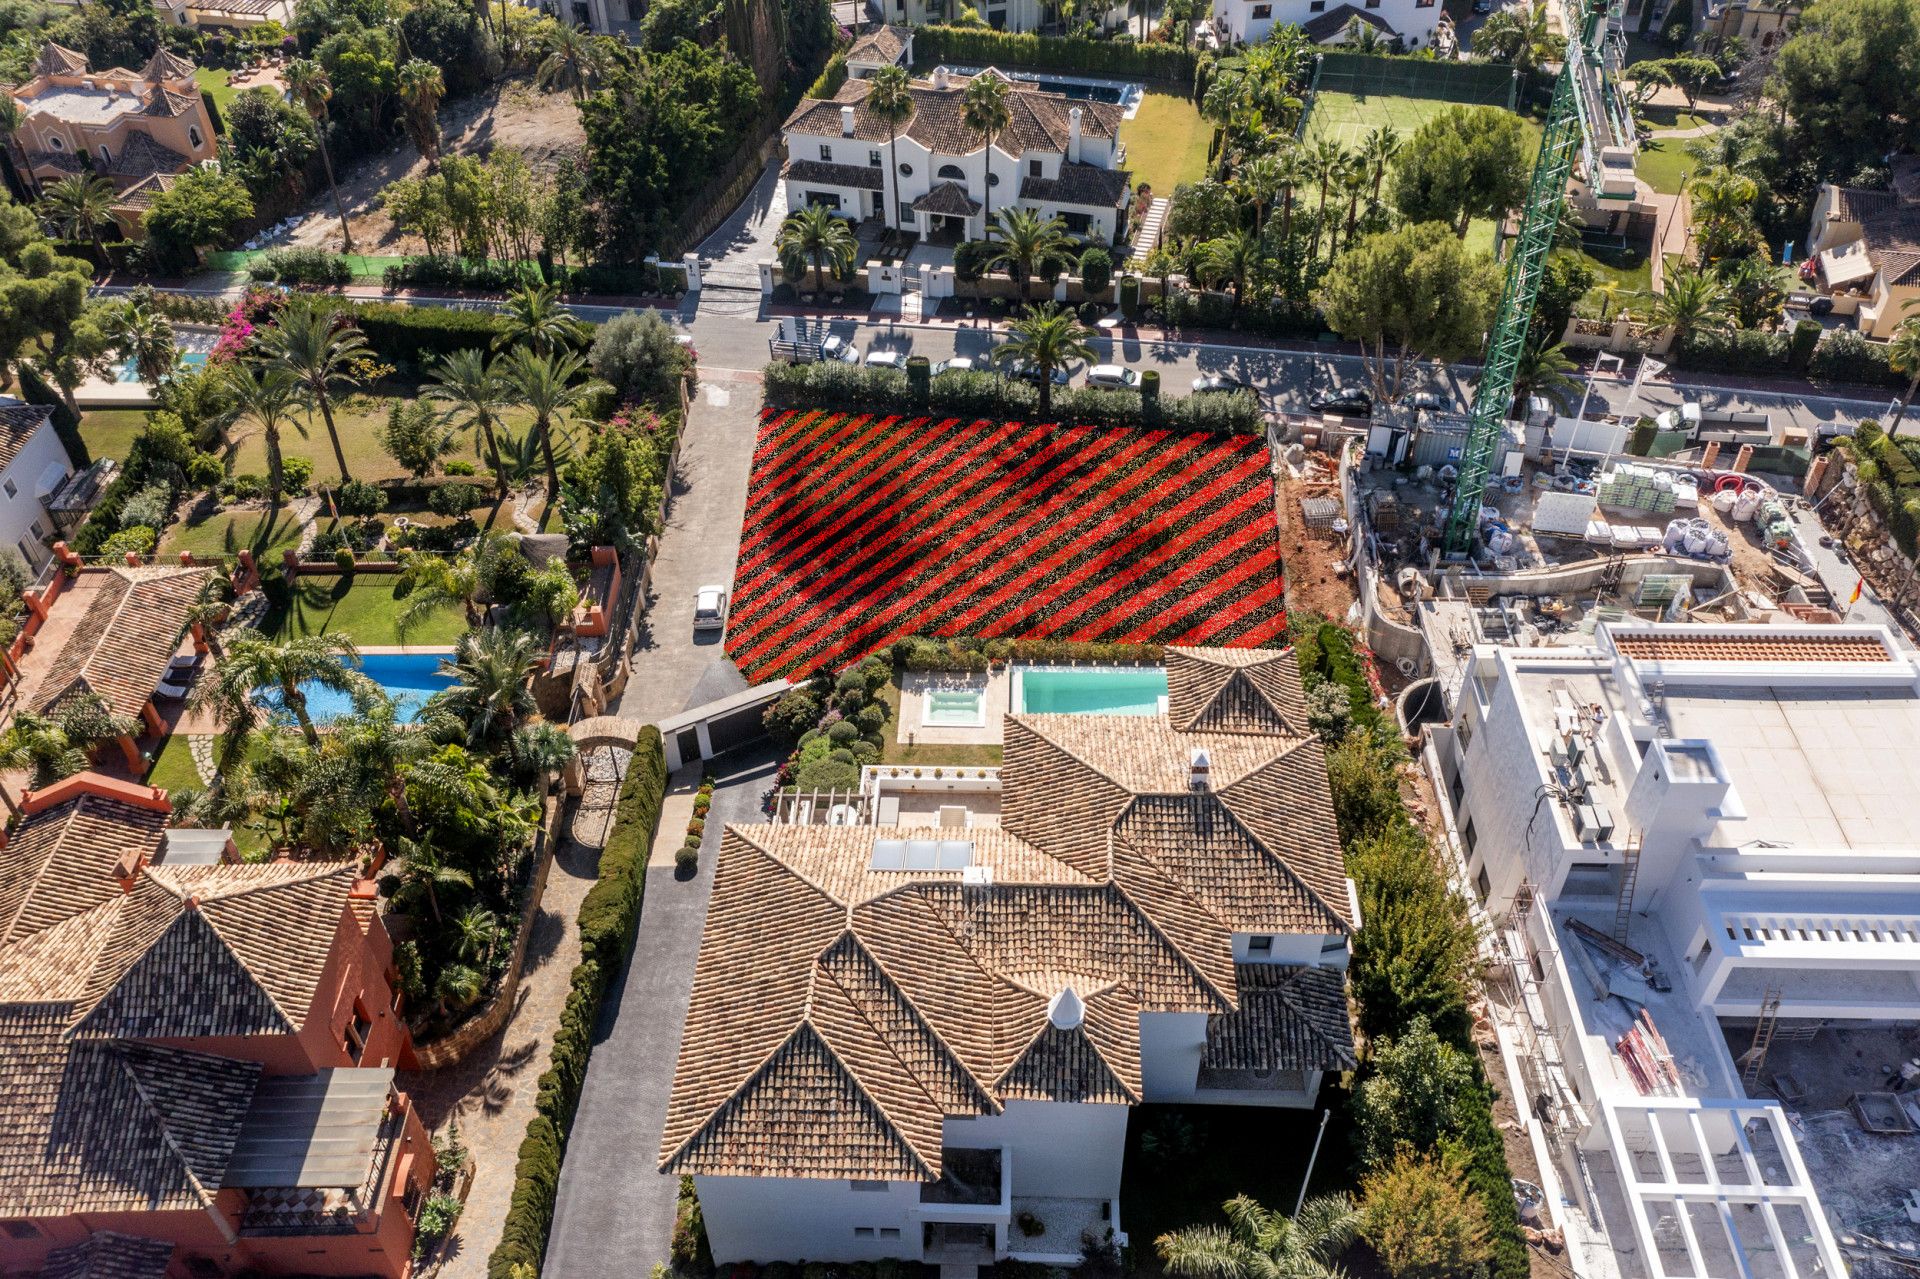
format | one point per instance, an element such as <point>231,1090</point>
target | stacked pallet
<point>1637,488</point>
<point>1643,1050</point>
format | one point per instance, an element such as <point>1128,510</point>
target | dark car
<point>1220,382</point>
<point>1343,403</point>
<point>1021,371</point>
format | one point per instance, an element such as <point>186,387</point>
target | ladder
<point>1629,877</point>
<point>1756,1056</point>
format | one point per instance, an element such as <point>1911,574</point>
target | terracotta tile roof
<point>140,156</point>
<point>1705,646</point>
<point>861,177</point>
<point>58,60</point>
<point>1334,21</point>
<point>1853,204</point>
<point>840,1013</point>
<point>1291,1017</point>
<point>143,193</point>
<point>18,423</point>
<point>883,45</point>
<point>107,1255</point>
<point>166,65</point>
<point>1087,185</point>
<point>60,861</point>
<point>1236,690</point>
<point>121,648</point>
<point>1037,120</point>
<point>949,198</point>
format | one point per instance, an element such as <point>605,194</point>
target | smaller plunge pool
<point>1089,690</point>
<point>955,708</point>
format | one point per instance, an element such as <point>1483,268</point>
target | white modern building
<point>1698,851</point>
<point>1057,155</point>
<point>922,1041</point>
<point>33,466</point>
<point>1410,22</point>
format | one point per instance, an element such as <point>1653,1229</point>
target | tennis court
<point>1347,118</point>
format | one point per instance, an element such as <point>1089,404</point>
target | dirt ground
<point>1310,556</point>
<point>541,126</point>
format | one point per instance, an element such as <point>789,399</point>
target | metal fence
<point>1484,84</point>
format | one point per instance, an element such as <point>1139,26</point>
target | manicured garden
<point>863,529</point>
<point>362,606</point>
<point>1166,142</point>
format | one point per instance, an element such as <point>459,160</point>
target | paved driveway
<point>615,1213</point>
<point>673,668</point>
<point>745,239</point>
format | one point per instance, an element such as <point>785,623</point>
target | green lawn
<point>214,82</point>
<point>1663,163</point>
<point>174,772</point>
<point>110,432</point>
<point>898,752</point>
<point>1630,268</point>
<point>1166,142</point>
<point>1347,118</point>
<point>219,532</point>
<point>363,608</point>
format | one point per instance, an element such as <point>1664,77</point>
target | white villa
<point>913,1041</point>
<point>1057,155</point>
<point>1698,850</point>
<point>1411,22</point>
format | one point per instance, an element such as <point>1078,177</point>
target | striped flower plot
<point>863,529</point>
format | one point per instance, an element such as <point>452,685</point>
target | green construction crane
<point>1526,264</point>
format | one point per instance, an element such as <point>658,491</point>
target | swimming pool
<point>1087,89</point>
<point>409,678</point>
<point>955,708</point>
<point>1089,690</point>
<point>129,370</point>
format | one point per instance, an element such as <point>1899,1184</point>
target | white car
<point>1113,377</point>
<point>710,608</point>
<point>1431,400</point>
<point>886,359</point>
<point>841,349</point>
<point>958,364</point>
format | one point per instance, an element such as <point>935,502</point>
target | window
<point>636,10</point>
<point>952,172</point>
<point>873,159</point>
<point>582,16</point>
<point>357,1031</point>
<point>825,199</point>
<point>56,142</point>
<point>1318,6</point>
<point>863,1232</point>
<point>868,1187</point>
<point>906,170</point>
<point>13,490</point>
<point>906,213</point>
<point>1259,945</point>
<point>1483,884</point>
<point>826,152</point>
<point>193,136</point>
<point>1468,837</point>
<point>1036,169</point>
<point>1459,789</point>
<point>1076,223</point>
<point>993,179</point>
<point>17,1229</point>
<point>37,529</point>
<point>106,156</point>
<point>1263,11</point>
<point>1466,734</point>
<point>889,1232</point>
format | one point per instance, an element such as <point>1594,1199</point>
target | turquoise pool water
<point>130,372</point>
<point>1090,690</point>
<point>409,678</point>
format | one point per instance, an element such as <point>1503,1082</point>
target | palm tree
<point>39,746</point>
<point>380,744</point>
<point>1259,181</point>
<point>423,871</point>
<point>890,101</point>
<point>13,124</point>
<point>1903,356</point>
<point>308,83</point>
<point>476,932</point>
<point>545,384</point>
<point>1545,370</point>
<point>144,336</point>
<point>1378,152</point>
<point>1233,257</point>
<point>1523,39</point>
<point>1693,301</point>
<point>471,387</point>
<point>984,110</point>
<point>1046,338</point>
<point>1753,290</point>
<point>432,582</point>
<point>573,62</point>
<point>813,235</point>
<point>421,89</point>
<point>1362,37</point>
<point>1257,1243</point>
<point>78,206</point>
<point>1029,244</point>
<point>1353,181</point>
<point>492,693</point>
<point>1161,264</point>
<point>255,661</point>
<point>1293,170</point>
<point>264,399</point>
<point>1323,164</point>
<point>307,341</point>
<point>537,317</point>
<point>1721,201</point>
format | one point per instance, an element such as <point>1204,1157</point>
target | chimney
<point>1073,136</point>
<point>1200,778</point>
<point>1066,1010</point>
<point>939,77</point>
<point>846,122</point>
<point>126,868</point>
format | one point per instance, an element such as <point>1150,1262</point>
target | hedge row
<point>1026,51</point>
<point>987,396</point>
<point>608,917</point>
<point>971,653</point>
<point>1839,356</point>
<point>409,335</point>
<point>1741,351</point>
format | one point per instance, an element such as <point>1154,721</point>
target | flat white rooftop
<point>83,106</point>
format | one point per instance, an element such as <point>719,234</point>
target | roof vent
<point>1066,1010</point>
<point>846,122</point>
<point>1200,775</point>
<point>939,77</point>
<point>977,876</point>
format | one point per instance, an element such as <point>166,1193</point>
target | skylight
<point>922,854</point>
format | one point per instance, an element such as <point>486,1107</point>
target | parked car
<point>1343,403</point>
<point>958,364</point>
<point>1020,370</point>
<point>1427,400</point>
<point>710,608</point>
<point>886,359</point>
<point>841,349</point>
<point>1113,377</point>
<point>1220,382</point>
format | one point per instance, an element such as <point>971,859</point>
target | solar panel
<point>922,854</point>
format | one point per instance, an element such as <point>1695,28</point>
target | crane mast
<point>1580,111</point>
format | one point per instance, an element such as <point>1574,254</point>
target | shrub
<point>607,919</point>
<point>205,470</point>
<point>300,265</point>
<point>1733,351</point>
<point>1422,1220</point>
<point>414,335</point>
<point>636,354</point>
<point>1416,1094</point>
<point>982,47</point>
<point>843,733</point>
<point>969,653</point>
<point>827,775</point>
<point>359,499</point>
<point>459,466</point>
<point>297,474</point>
<point>454,499</point>
<point>1096,270</point>
<point>687,858</point>
<point>137,538</point>
<point>1844,356</point>
<point>343,559</point>
<point>246,487</point>
<point>789,718</point>
<point>1413,956</point>
<point>151,507</point>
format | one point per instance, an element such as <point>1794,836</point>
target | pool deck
<point>996,690</point>
<point>111,393</point>
<point>1130,91</point>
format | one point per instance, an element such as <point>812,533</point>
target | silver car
<point>710,608</point>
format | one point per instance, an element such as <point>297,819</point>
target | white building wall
<point>762,1219</point>
<point>1251,21</point>
<point>1068,1150</point>
<point>40,466</point>
<point>1494,799</point>
<point>1171,1045</point>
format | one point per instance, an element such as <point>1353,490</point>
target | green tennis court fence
<point>1479,84</point>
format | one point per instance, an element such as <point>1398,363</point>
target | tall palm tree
<point>536,317</point>
<point>1029,244</point>
<point>13,125</point>
<point>308,341</point>
<point>1753,291</point>
<point>1353,181</point>
<point>573,61</point>
<point>308,83</point>
<point>1234,257</point>
<point>1525,39</point>
<point>1324,163</point>
<point>78,206</point>
<point>1362,37</point>
<point>1545,369</point>
<point>545,384</point>
<point>1903,356</point>
<point>472,389</point>
<point>1292,171</point>
<point>145,336</point>
<point>264,398</point>
<point>1046,338</point>
<point>492,693</point>
<point>255,661</point>
<point>421,89</point>
<point>984,110</point>
<point>1378,152</point>
<point>40,747</point>
<point>1258,183</point>
<point>890,101</point>
<point>424,872</point>
<point>378,742</point>
<point>1257,1243</point>
<point>1692,301</point>
<point>813,235</point>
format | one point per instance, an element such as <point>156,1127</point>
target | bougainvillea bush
<point>861,529</point>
